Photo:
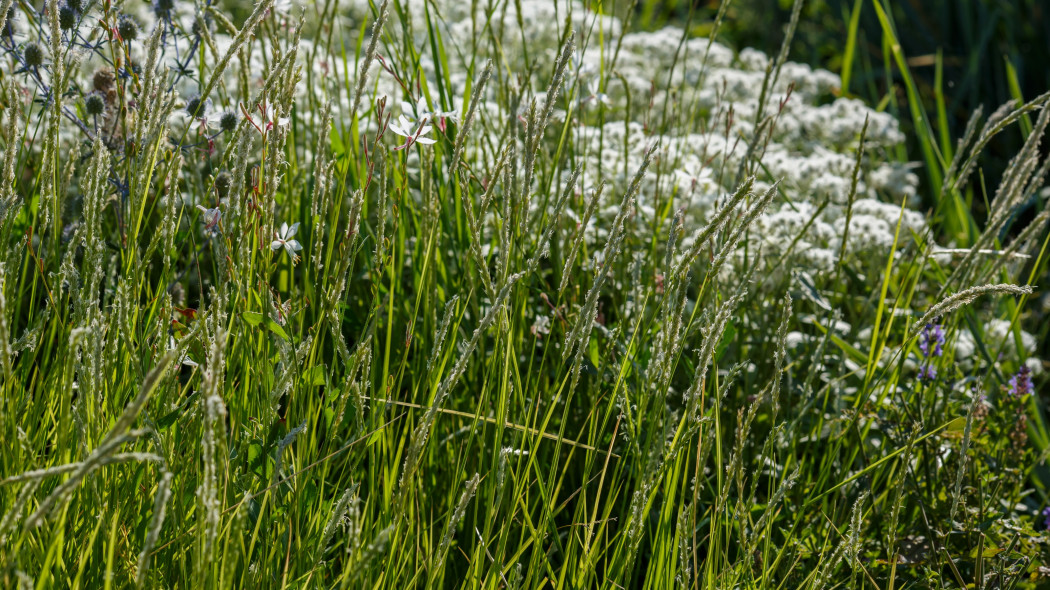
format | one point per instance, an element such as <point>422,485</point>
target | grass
<point>261,324</point>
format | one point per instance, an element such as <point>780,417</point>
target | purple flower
<point>927,373</point>
<point>1020,384</point>
<point>1046,513</point>
<point>932,334</point>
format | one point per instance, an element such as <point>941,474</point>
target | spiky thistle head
<point>67,17</point>
<point>223,183</point>
<point>33,54</point>
<point>127,27</point>
<point>163,7</point>
<point>94,104</point>
<point>228,121</point>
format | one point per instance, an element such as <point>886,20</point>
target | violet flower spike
<point>927,373</point>
<point>1020,385</point>
<point>932,334</point>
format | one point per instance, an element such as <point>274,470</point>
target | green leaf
<point>277,329</point>
<point>592,351</point>
<point>316,376</point>
<point>957,425</point>
<point>374,438</point>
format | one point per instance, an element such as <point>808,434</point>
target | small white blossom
<point>285,239</point>
<point>210,217</point>
<point>404,128</point>
<point>270,119</point>
<point>541,326</point>
<point>423,114</point>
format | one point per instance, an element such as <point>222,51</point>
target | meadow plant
<point>426,293</point>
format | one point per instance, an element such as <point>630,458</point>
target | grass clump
<point>504,294</point>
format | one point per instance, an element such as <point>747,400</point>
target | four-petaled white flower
<point>268,121</point>
<point>413,132</point>
<point>285,239</point>
<point>423,113</point>
<point>597,98</point>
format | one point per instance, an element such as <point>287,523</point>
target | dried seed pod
<point>103,79</point>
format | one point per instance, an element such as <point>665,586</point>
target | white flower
<point>423,113</point>
<point>283,7</point>
<point>186,360</point>
<point>541,326</point>
<point>404,128</point>
<point>285,239</point>
<point>210,217</point>
<point>269,120</point>
<point>596,99</point>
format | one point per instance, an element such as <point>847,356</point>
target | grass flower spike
<point>596,296</point>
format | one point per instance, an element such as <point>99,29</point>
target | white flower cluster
<point>706,99</point>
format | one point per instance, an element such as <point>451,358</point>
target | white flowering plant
<point>499,294</point>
